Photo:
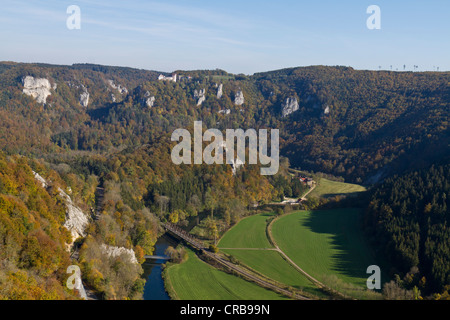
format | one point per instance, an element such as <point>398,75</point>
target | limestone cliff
<point>239,98</point>
<point>39,89</point>
<point>84,98</point>
<point>76,221</point>
<point>200,95</point>
<point>119,87</point>
<point>289,107</point>
<point>149,100</point>
<point>119,251</point>
<point>220,91</point>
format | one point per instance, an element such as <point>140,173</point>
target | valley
<point>363,160</point>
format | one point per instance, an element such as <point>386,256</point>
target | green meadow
<point>328,245</point>
<point>248,233</point>
<point>271,264</point>
<point>197,280</point>
<point>249,244</point>
<point>327,188</point>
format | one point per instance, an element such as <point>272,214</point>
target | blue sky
<point>244,36</point>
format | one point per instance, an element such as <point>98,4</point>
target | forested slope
<point>408,218</point>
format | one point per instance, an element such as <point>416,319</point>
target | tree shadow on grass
<point>351,194</point>
<point>351,255</point>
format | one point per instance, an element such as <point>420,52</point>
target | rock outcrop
<point>39,89</point>
<point>119,251</point>
<point>289,107</point>
<point>149,100</point>
<point>84,98</point>
<point>41,180</point>
<point>327,110</point>
<point>220,91</point>
<point>236,165</point>
<point>239,98</point>
<point>226,111</point>
<point>119,87</point>
<point>200,95</point>
<point>76,221</point>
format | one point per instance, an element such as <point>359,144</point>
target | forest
<point>408,218</point>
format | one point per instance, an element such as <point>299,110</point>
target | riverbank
<point>167,283</point>
<point>155,288</point>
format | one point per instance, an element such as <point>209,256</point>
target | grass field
<point>271,264</point>
<point>248,233</point>
<point>327,188</point>
<point>326,244</point>
<point>196,280</point>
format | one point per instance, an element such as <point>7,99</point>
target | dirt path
<point>311,278</point>
<point>272,240</point>
<point>310,190</point>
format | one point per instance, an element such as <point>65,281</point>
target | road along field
<point>248,243</point>
<point>197,280</point>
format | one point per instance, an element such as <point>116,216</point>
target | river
<point>154,287</point>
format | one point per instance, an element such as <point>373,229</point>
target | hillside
<point>33,255</point>
<point>362,125</point>
<point>408,218</point>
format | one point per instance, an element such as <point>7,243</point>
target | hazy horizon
<point>199,69</point>
<point>240,37</point>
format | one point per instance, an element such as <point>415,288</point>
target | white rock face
<point>39,178</point>
<point>84,98</point>
<point>200,101</point>
<point>39,89</point>
<point>76,220</point>
<point>290,106</point>
<point>113,97</point>
<point>220,91</point>
<point>236,165</point>
<point>239,98</point>
<point>149,100</point>
<point>327,110</point>
<point>120,88</point>
<point>227,111</point>
<point>117,251</point>
<point>200,95</point>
